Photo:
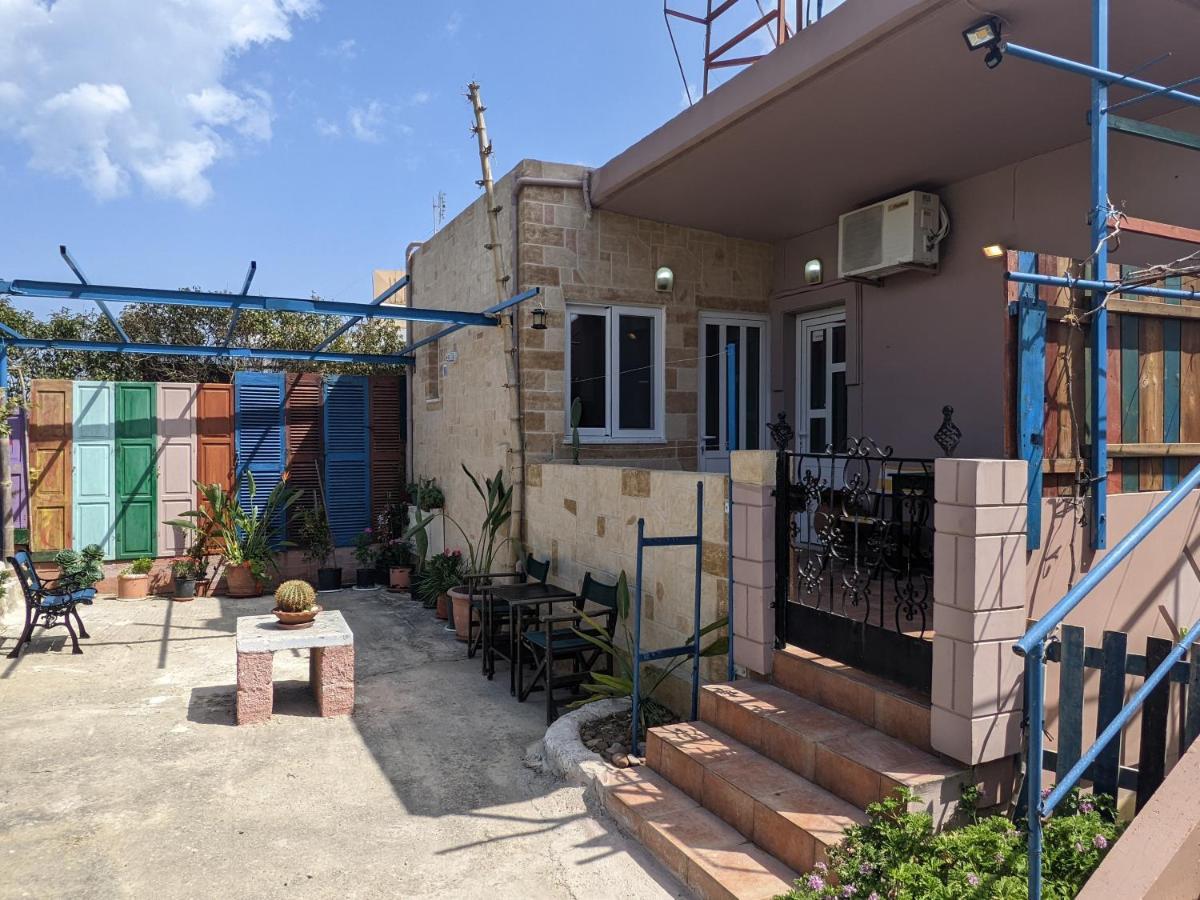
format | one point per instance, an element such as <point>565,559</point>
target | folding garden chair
<point>558,640</point>
<point>490,612</point>
<point>46,604</point>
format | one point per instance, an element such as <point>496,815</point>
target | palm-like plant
<point>247,536</point>
<point>481,553</point>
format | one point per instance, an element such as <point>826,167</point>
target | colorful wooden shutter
<point>20,477</point>
<point>93,453</point>
<point>347,474</point>
<point>214,439</point>
<point>137,505</point>
<point>50,464</point>
<point>176,463</point>
<point>258,398</point>
<point>387,446</point>
<point>305,436</point>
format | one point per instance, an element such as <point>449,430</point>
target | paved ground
<point>123,775</point>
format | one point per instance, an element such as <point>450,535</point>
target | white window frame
<point>611,434</point>
<point>805,323</point>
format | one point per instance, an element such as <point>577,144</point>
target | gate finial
<point>781,432</point>
<point>949,434</point>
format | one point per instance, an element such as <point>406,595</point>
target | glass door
<point>821,381</point>
<point>731,344</point>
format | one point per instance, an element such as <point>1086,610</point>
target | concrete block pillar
<point>753,475</point>
<point>979,607</point>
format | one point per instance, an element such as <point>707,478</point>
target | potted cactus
<point>295,604</point>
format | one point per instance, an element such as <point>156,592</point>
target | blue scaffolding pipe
<point>108,314</point>
<point>1098,457</point>
<point>1099,72</point>
<point>130,349</point>
<point>354,320</point>
<point>1104,287</point>
<point>491,310</point>
<point>237,313</point>
<point>55,290</point>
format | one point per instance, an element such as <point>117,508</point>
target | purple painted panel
<point>20,476</point>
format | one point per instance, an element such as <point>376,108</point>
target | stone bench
<point>330,664</point>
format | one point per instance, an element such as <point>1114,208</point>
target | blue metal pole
<point>1099,334</point>
<point>729,669</point>
<point>1090,284</point>
<point>731,404</point>
<point>354,320</point>
<point>1045,625</point>
<point>1100,73</point>
<point>637,638</point>
<point>492,310</point>
<point>374,359</point>
<point>237,313</point>
<point>108,313</point>
<point>696,609</point>
<point>1034,674</point>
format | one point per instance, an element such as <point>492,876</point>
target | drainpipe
<point>409,259</point>
<point>519,184</point>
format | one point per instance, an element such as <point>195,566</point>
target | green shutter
<point>136,477</point>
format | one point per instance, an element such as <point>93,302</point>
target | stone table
<point>330,663</point>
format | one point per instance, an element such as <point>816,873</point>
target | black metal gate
<point>854,559</point>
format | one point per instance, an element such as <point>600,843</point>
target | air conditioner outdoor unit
<point>895,235</point>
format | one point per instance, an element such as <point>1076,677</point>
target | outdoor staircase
<point>738,804</point>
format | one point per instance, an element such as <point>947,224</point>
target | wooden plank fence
<point>1116,664</point>
<point>1153,362</point>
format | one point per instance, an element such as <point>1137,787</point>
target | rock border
<point>563,753</point>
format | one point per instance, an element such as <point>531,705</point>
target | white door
<point>742,339</point>
<point>821,381</point>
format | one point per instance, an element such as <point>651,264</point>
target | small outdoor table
<point>330,664</point>
<point>516,598</point>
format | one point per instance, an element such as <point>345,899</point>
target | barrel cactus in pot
<point>295,604</point>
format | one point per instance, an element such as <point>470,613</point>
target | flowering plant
<point>897,854</point>
<point>364,548</point>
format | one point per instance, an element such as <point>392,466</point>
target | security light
<point>664,279</point>
<point>993,251</point>
<point>983,34</point>
<point>994,57</point>
<point>812,272</point>
<point>539,319</point>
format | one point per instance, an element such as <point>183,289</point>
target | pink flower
<point>367,530</point>
<point>973,880</point>
<point>1086,806</point>
<point>873,896</point>
<point>821,867</point>
<point>849,890</point>
<point>815,882</point>
<point>1100,841</point>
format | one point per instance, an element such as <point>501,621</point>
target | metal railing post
<point>637,638</point>
<point>1035,718</point>
<point>696,611</point>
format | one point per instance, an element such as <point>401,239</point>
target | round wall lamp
<point>664,279</point>
<point>539,318</point>
<point>813,272</point>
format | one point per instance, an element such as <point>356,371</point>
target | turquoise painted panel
<point>93,467</point>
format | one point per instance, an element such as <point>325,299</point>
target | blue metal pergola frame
<point>355,313</point>
<point>1031,316</point>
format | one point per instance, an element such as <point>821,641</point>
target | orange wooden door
<point>50,415</point>
<point>214,435</point>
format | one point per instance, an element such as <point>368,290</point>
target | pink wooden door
<point>176,463</point>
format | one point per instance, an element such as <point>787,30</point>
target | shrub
<point>897,855</point>
<point>80,569</point>
<point>139,567</point>
<point>295,596</point>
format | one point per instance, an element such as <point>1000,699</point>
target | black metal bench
<point>47,604</point>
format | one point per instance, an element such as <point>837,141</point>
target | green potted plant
<point>396,558</point>
<point>426,494</point>
<point>481,553</point>
<point>247,537</point>
<point>81,569</point>
<point>366,554</point>
<point>198,555</point>
<point>441,573</point>
<point>295,604</point>
<point>316,541</point>
<point>133,581</point>
<point>183,570</point>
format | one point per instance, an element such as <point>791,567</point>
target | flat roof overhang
<point>881,96</point>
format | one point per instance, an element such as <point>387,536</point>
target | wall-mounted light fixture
<point>539,318</point>
<point>993,251</point>
<point>664,279</point>
<point>813,273</point>
<point>986,35</point>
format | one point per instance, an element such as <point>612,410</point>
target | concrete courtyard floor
<point>122,773</point>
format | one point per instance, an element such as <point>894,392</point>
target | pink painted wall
<point>925,341</point>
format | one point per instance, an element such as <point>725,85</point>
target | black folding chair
<point>489,613</point>
<point>46,604</point>
<point>559,640</point>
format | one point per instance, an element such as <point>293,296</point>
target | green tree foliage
<point>187,326</point>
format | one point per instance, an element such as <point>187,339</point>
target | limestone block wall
<point>584,518</point>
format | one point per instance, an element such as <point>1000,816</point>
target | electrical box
<point>892,236</point>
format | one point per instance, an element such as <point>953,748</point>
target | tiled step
<point>840,754</point>
<point>874,701</point>
<point>783,813</point>
<point>706,854</point>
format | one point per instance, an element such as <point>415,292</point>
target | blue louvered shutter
<point>258,418</point>
<point>347,469</point>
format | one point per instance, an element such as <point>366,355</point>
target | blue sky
<point>170,147</point>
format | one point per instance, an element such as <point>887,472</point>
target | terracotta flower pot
<point>442,610</point>
<point>296,619</point>
<point>462,612</point>
<point>133,587</point>
<point>400,577</point>
<point>240,582</point>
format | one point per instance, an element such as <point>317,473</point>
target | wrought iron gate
<point>854,558</point>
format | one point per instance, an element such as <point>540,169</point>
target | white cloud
<point>365,121</point>
<point>420,98</point>
<point>325,128</point>
<point>345,49</point>
<point>454,22</point>
<point>118,92</point>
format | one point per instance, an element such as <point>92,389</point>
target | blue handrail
<point>1033,647</point>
